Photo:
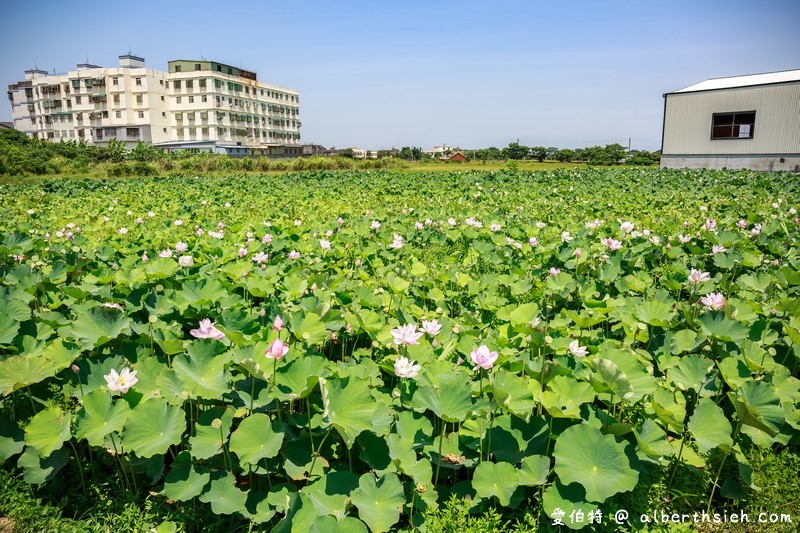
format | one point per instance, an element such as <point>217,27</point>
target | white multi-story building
<point>197,105</point>
<point>20,96</point>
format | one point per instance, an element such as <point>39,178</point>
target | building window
<point>204,98</point>
<point>118,114</point>
<point>189,84</point>
<point>105,114</point>
<point>116,99</point>
<point>132,132</point>
<point>740,125</point>
<point>141,114</point>
<point>191,99</point>
<point>202,83</point>
<point>139,99</point>
<point>197,66</point>
<point>114,81</point>
<point>162,97</point>
<point>77,99</point>
<point>163,114</point>
<point>177,68</point>
<point>176,84</point>
<point>138,81</point>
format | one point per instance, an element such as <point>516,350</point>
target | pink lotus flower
<point>207,331</point>
<point>325,244</point>
<point>494,227</point>
<point>121,382</point>
<point>277,350</point>
<point>397,243</point>
<point>260,257</point>
<point>166,253</point>
<point>407,335</point>
<point>717,249</point>
<point>612,244</point>
<point>626,227</point>
<point>431,327</point>
<point>577,253</point>
<point>533,241</point>
<point>266,239</point>
<point>294,254</point>
<point>577,350</point>
<point>145,259</point>
<point>697,276</point>
<point>418,226</point>
<point>123,231</point>
<point>483,358</point>
<point>375,225</point>
<point>710,225</point>
<point>181,247</point>
<point>403,368</point>
<point>713,300</point>
<point>742,224</point>
<point>277,324</point>
<point>555,271</point>
<point>186,261</point>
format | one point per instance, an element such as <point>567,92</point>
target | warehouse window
<point>740,125</point>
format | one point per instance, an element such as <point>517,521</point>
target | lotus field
<point>328,350</point>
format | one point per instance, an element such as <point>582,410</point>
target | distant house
<point>458,156</point>
<point>440,150</point>
<point>748,122</point>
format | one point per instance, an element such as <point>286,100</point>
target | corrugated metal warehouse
<point>738,122</point>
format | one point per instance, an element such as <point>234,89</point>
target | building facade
<point>748,122</point>
<point>195,105</point>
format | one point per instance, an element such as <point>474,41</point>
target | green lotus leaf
<point>8,329</point>
<point>207,440</point>
<point>330,494</point>
<point>495,479</point>
<point>564,502</point>
<point>300,515</point>
<point>450,399</point>
<point>18,371</point>
<point>640,378</point>
<point>379,504</point>
<point>99,416</point>
<point>161,268</point>
<point>525,314</point>
<point>257,509</point>
<point>611,378</point>
<point>36,470</point>
<point>414,429</point>
<point>12,437</point>
<point>347,406</point>
<point>534,470</point>
<point>684,340</point>
<point>152,427</point>
<point>565,395</point>
<point>199,293</point>
<point>653,440</point>
<point>185,480</point>
<point>715,324</point>
<point>598,462</point>
<point>759,406</point>
<point>710,427</point>
<point>298,378</point>
<point>309,328</point>
<point>512,394</point>
<point>222,494</point>
<point>202,370</point>
<point>97,326</point>
<point>256,438</point>
<point>691,373</point>
<point>48,431</point>
<point>329,524</point>
<point>655,313</point>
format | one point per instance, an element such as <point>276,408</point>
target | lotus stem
<point>439,463</point>
<point>80,470</point>
<point>721,465</point>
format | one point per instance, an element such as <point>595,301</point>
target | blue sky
<point>473,74</point>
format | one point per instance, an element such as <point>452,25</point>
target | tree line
<point>610,154</point>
